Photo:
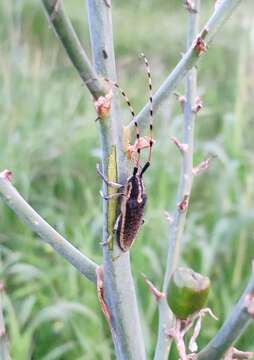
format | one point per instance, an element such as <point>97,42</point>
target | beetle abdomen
<point>130,222</point>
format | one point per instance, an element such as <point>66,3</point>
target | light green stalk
<point>28,215</point>
<point>234,326</point>
<point>119,286</point>
<point>68,37</point>
<point>166,318</point>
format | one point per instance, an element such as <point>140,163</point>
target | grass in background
<point>49,140</point>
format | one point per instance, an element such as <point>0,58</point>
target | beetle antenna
<point>122,92</point>
<point>147,164</point>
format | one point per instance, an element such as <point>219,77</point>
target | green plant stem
<point>166,318</point>
<point>118,282</point>
<point>186,177</point>
<point>231,330</point>
<point>219,17</point>
<point>28,215</point>
<point>4,348</point>
<point>68,37</point>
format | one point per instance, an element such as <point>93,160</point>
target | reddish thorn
<point>249,304</point>
<point>100,293</point>
<point>200,46</point>
<point>198,105</point>
<point>234,353</point>
<point>1,286</point>
<point>157,294</point>
<point>203,166</point>
<point>183,205</point>
<point>141,143</point>
<point>189,5</point>
<point>182,147</point>
<point>6,174</point>
<point>103,105</point>
<point>181,99</point>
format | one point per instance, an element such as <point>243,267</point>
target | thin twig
<point>4,348</point>
<point>118,282</point>
<point>185,185</point>
<point>27,214</point>
<point>234,326</point>
<point>221,14</point>
<point>186,177</point>
<point>68,37</point>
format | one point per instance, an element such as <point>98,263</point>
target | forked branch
<point>68,37</point>
<point>184,190</point>
<point>28,215</point>
<point>118,282</point>
<point>238,320</point>
<point>221,13</point>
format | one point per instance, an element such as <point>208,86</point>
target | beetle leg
<point>106,242</point>
<point>109,183</point>
<point>116,224</point>
<point>111,196</point>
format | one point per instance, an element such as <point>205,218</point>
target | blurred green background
<point>49,140</point>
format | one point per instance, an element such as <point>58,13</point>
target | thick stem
<point>28,215</point>
<point>4,348</point>
<point>118,281</point>
<point>68,37</point>
<point>184,190</point>
<point>186,177</point>
<point>191,57</point>
<point>231,330</point>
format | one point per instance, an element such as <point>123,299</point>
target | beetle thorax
<point>135,189</point>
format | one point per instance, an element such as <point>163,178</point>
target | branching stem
<point>234,326</point>
<point>184,190</point>
<point>186,177</point>
<point>119,286</point>
<point>191,57</point>
<point>28,215</point>
<point>68,37</point>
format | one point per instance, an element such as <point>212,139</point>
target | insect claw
<point>109,183</point>
<point>111,196</point>
<point>98,170</point>
<point>103,196</point>
<point>114,258</point>
<point>106,242</point>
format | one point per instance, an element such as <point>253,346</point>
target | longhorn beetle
<point>133,196</point>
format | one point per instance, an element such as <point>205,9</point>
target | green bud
<point>188,292</point>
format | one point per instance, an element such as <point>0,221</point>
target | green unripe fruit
<point>188,292</point>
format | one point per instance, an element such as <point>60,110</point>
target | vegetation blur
<point>49,139</point>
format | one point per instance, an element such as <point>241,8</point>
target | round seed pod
<point>188,292</point>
